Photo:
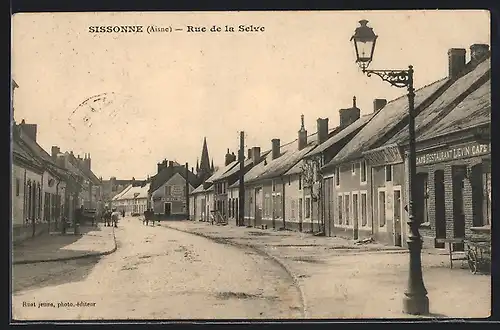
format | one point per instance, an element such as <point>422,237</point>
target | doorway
<point>398,213</point>
<point>300,214</point>
<point>168,209</point>
<point>458,176</point>
<point>440,213</point>
<point>258,207</point>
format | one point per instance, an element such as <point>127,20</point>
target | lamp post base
<point>416,305</point>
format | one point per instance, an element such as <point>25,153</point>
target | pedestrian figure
<point>114,218</point>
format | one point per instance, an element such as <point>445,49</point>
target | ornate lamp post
<point>415,300</point>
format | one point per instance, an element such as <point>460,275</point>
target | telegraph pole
<point>187,191</point>
<point>241,199</point>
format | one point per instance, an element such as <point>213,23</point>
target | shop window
<point>421,199</point>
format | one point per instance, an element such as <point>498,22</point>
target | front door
<point>439,202</point>
<point>397,217</point>
<point>458,175</point>
<point>168,209</point>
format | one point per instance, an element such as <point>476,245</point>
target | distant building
<point>167,191</point>
<point>114,186</point>
<point>133,199</point>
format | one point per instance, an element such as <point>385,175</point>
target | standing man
<point>114,217</point>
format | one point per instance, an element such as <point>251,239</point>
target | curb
<point>260,251</point>
<point>88,255</point>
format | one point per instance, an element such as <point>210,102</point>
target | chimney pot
<point>275,143</point>
<point>456,61</point>
<point>302,139</point>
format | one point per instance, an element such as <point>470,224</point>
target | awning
<point>385,155</point>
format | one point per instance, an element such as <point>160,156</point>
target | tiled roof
<point>123,192</point>
<point>23,153</point>
<point>358,124</point>
<point>166,173</point>
<point>198,190</point>
<point>290,155</point>
<point>382,122</point>
<point>444,104</point>
<point>134,192</point>
<point>474,110</point>
<point>220,173</point>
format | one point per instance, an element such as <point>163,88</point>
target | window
<point>355,208</point>
<point>363,171</point>
<point>337,176</point>
<point>347,209</point>
<point>277,206</point>
<point>308,207</point>
<point>353,168</point>
<point>340,205</point>
<point>292,209</point>
<point>300,182</point>
<point>381,208</point>
<point>274,185</point>
<point>17,186</point>
<point>388,173</point>
<point>168,190</point>
<point>300,209</point>
<point>363,209</point>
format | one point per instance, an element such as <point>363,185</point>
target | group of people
<point>111,217</point>
<point>149,216</point>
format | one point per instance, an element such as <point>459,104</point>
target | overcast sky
<point>164,92</point>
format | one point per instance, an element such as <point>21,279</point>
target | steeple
<point>204,170</point>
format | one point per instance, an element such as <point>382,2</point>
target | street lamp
<point>415,300</point>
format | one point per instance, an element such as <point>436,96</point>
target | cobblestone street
<point>340,279</point>
<point>157,273</point>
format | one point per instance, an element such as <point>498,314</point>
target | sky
<point>132,100</point>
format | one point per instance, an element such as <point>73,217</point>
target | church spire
<point>204,169</point>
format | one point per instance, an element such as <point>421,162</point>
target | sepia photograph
<point>250,165</point>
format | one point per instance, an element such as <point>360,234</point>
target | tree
<point>312,180</point>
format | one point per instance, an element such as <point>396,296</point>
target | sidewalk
<point>92,241</point>
<point>339,279</point>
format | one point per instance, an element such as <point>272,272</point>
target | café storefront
<point>453,191</point>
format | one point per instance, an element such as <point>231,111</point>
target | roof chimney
<point>479,51</point>
<point>29,130</point>
<point>322,125</point>
<point>378,104</point>
<point>349,115</point>
<point>250,154</point>
<point>54,152</point>
<point>275,148</point>
<point>255,155</point>
<point>456,61</point>
<point>302,134</point>
<point>228,158</point>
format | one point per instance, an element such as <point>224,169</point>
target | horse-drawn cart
<point>478,247</point>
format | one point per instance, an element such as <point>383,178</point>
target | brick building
<point>370,171</point>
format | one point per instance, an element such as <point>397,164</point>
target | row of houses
<point>352,180</point>
<point>47,188</point>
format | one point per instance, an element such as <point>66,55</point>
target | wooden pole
<point>241,197</point>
